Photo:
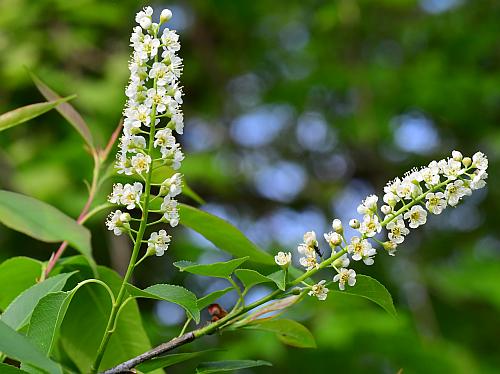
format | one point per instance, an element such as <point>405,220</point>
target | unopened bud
<point>337,226</point>
<point>354,223</point>
<point>467,161</point>
<point>457,156</point>
<point>386,209</point>
<point>125,217</point>
<point>165,15</point>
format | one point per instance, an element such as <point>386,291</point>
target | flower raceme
<point>406,204</point>
<point>152,116</point>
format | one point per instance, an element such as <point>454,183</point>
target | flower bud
<point>125,217</point>
<point>457,156</point>
<point>337,226</point>
<point>151,251</point>
<point>165,15</point>
<point>145,22</point>
<point>354,223</point>
<point>467,161</point>
<point>386,209</point>
<point>333,238</point>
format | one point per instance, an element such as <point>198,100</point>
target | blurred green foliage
<point>294,111</point>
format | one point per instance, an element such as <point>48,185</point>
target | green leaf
<point>288,331</point>
<point>230,365</point>
<point>25,113</point>
<point>279,277</point>
<point>86,318</point>
<point>19,311</point>
<point>222,234</point>
<point>173,294</point>
<point>169,360</point>
<point>7,369</point>
<point>217,269</point>
<point>66,110</point>
<point>250,278</point>
<point>43,222</point>
<point>16,275</point>
<point>211,297</point>
<point>18,347</point>
<point>373,290</point>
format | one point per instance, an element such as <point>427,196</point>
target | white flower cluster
<point>407,202</point>
<point>152,116</point>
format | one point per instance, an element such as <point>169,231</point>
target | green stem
<point>241,299</point>
<point>135,252</point>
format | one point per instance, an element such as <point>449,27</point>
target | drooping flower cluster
<point>152,116</point>
<point>407,203</point>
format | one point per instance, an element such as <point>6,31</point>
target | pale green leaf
<point>222,234</point>
<point>173,294</point>
<point>7,369</point>
<point>211,297</point>
<point>25,113</point>
<point>288,331</point>
<point>43,222</point>
<point>16,275</point>
<point>279,277</point>
<point>230,365</point>
<point>66,110</point>
<point>373,290</point>
<point>250,278</point>
<point>169,360</point>
<point>18,347</point>
<point>19,311</point>
<point>216,269</point>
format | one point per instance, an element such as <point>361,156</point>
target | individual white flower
<point>319,290</point>
<point>118,222</point>
<point>390,247</point>
<point>123,164</point>
<point>162,74</point>
<point>310,239</point>
<point>172,186</point>
<point>174,62</point>
<point>478,180</point>
<point>341,262</point>
<point>405,189</point>
<point>417,216</point>
<point>370,226</point>
<point>391,198</point>
<point>455,191</point>
<point>159,98</point>
<point>436,202</point>
<point>306,250</point>
<point>131,195</point>
<point>142,114</point>
<point>131,127</point>
<point>430,174</point>
<point>140,163</point>
<point>117,194</point>
<point>283,259</point>
<point>170,40</point>
<point>178,122</point>
<point>480,161</point>
<point>457,156</point>
<point>159,242</point>
<point>369,205</point>
<point>132,143</point>
<point>452,169</point>
<point>143,18</point>
<point>360,249</point>
<point>309,262</point>
<point>165,15</point>
<point>170,212</point>
<point>345,276</point>
<point>174,155</point>
<point>333,239</point>
<point>148,48</point>
<point>164,138</point>
<point>397,230</point>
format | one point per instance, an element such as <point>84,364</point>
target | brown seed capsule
<point>216,311</point>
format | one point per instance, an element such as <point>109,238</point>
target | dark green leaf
<point>211,297</point>
<point>373,290</point>
<point>7,369</point>
<point>250,278</point>
<point>66,110</point>
<point>230,365</point>
<point>288,331</point>
<point>18,347</point>
<point>217,269</point>
<point>25,113</point>
<point>19,311</point>
<point>279,278</point>
<point>222,234</point>
<point>174,294</point>
<point>42,221</point>
<point>16,275</point>
<point>166,361</point>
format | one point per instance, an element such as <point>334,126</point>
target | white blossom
<point>369,205</point>
<point>361,249</point>
<point>342,261</point>
<point>172,186</point>
<point>417,216</point>
<point>117,194</point>
<point>397,230</point>
<point>159,242</point>
<point>131,195</point>
<point>309,262</point>
<point>143,18</point>
<point>455,191</point>
<point>478,179</point>
<point>170,212</point>
<point>370,226</point>
<point>319,290</point>
<point>436,202</point>
<point>480,161</point>
<point>118,222</point>
<point>345,276</point>
<point>333,239</point>
<point>140,163</point>
<point>283,258</point>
